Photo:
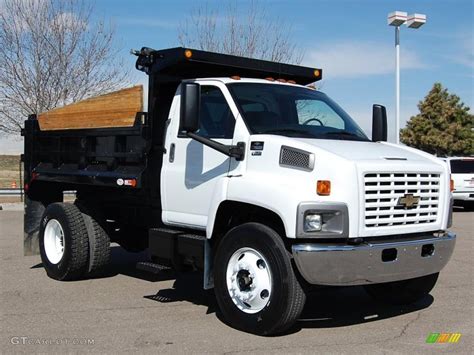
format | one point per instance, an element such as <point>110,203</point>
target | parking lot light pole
<point>396,19</point>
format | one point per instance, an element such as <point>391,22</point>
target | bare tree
<point>250,33</point>
<point>52,54</point>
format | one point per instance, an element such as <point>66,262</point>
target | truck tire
<point>402,292</point>
<point>256,288</point>
<point>99,241</point>
<point>63,242</point>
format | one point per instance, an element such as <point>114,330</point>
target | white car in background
<point>462,174</point>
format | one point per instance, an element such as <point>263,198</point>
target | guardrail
<point>10,192</point>
<point>19,192</point>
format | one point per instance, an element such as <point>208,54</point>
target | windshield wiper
<point>288,130</point>
<point>344,133</point>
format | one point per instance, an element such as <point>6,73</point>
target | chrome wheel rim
<point>249,280</point>
<point>54,241</point>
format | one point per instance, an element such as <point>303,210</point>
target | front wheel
<point>403,292</point>
<point>255,286</point>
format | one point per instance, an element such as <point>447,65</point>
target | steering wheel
<point>313,119</point>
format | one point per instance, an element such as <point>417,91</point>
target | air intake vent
<point>296,158</point>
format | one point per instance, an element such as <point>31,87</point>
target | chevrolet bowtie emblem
<point>408,201</point>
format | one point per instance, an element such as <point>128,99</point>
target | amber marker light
<point>323,187</point>
<point>316,72</point>
<point>130,182</point>
<point>451,184</point>
<point>188,53</point>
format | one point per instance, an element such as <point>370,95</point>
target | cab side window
<point>216,118</point>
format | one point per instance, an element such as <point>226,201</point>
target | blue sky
<point>349,39</point>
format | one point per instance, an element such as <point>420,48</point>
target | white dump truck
<point>242,169</point>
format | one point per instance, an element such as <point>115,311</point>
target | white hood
<point>366,151</point>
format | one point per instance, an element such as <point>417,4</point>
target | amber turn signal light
<point>188,54</point>
<point>323,187</point>
<point>451,185</point>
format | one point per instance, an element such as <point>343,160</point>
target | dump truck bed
<point>102,141</point>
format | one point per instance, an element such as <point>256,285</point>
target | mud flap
<point>32,218</point>
<point>208,266</point>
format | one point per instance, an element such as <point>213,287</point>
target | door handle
<point>172,148</point>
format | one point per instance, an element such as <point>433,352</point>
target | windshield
<point>462,166</point>
<point>294,112</point>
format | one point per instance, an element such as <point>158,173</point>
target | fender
<point>221,194</point>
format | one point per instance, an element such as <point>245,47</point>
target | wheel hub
<point>244,280</point>
<point>249,280</point>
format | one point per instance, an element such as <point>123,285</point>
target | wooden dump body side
<point>116,109</point>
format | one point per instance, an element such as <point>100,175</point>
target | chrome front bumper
<point>373,262</point>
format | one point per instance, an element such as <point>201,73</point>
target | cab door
<point>191,170</point>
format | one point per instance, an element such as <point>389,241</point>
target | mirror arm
<point>234,151</point>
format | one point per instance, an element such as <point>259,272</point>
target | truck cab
<point>249,173</point>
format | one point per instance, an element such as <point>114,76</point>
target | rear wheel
<point>99,241</point>
<point>403,292</point>
<point>63,242</point>
<point>255,286</point>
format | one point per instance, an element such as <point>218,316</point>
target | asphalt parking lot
<point>131,311</point>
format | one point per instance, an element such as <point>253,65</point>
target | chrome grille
<point>296,158</point>
<point>383,194</point>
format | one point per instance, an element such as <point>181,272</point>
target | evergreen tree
<point>443,127</point>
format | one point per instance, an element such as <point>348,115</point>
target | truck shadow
<point>187,287</point>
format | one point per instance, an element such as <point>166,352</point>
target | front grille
<point>386,193</point>
<point>296,158</point>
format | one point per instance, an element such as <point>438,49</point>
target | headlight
<point>313,222</point>
<point>322,220</point>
